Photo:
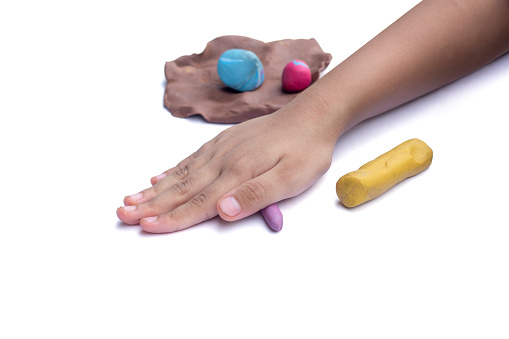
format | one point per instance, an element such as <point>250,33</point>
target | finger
<point>169,178</point>
<point>254,195</point>
<point>174,196</point>
<point>161,176</point>
<point>202,150</point>
<point>203,205</point>
<point>198,208</point>
<point>195,211</point>
<point>181,164</point>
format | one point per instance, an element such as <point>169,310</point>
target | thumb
<point>250,197</point>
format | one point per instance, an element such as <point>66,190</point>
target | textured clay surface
<point>377,176</point>
<point>193,86</point>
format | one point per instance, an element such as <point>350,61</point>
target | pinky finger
<point>163,175</point>
<point>203,149</point>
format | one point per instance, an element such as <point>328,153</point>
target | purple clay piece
<point>273,216</point>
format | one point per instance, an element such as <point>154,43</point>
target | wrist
<point>307,113</point>
<point>327,108</point>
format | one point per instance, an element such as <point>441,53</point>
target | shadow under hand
<point>120,225</point>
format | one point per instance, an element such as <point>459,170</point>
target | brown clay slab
<point>193,86</point>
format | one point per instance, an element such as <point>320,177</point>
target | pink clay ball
<point>296,76</point>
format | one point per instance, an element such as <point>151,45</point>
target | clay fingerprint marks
<point>193,86</point>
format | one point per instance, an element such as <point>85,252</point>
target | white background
<point>82,125</point>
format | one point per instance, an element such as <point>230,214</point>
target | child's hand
<point>244,169</point>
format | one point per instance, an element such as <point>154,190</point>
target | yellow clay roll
<point>379,175</point>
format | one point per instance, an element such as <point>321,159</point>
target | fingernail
<point>230,206</point>
<point>150,220</point>
<point>161,176</point>
<point>136,196</point>
<point>128,208</point>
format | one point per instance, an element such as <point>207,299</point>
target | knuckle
<point>182,187</point>
<point>174,216</point>
<point>199,200</point>
<point>193,156</point>
<point>181,172</point>
<point>157,188</point>
<point>152,205</point>
<point>254,193</point>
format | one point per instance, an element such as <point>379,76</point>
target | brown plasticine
<point>193,86</point>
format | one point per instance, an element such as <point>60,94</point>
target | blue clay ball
<point>240,69</point>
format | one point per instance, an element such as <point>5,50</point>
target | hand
<point>242,170</point>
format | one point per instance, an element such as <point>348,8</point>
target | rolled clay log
<point>379,175</point>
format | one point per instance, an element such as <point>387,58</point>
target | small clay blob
<point>194,87</point>
<point>273,216</point>
<point>240,69</point>
<point>296,76</point>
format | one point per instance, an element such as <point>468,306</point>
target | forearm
<point>435,43</point>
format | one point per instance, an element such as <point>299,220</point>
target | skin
<point>435,43</point>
